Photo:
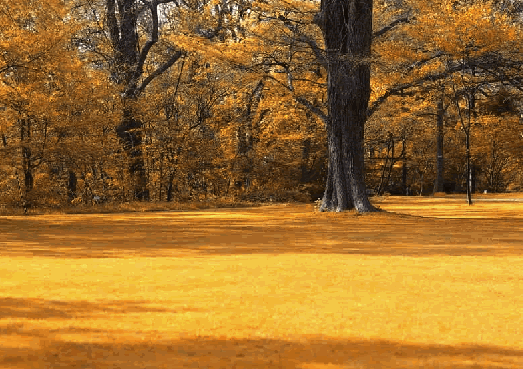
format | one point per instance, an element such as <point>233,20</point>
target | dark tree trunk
<point>27,163</point>
<point>245,135</point>
<point>387,166</point>
<point>438,184</point>
<point>127,71</point>
<point>305,153</point>
<point>404,168</point>
<point>392,161</point>
<point>71,186</point>
<point>161,178</point>
<point>473,179</point>
<point>383,170</point>
<point>347,30</point>
<point>469,171</point>
<point>25,140</point>
<point>131,138</point>
<point>170,187</point>
<point>125,44</point>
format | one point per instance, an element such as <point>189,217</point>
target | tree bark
<point>347,30</point>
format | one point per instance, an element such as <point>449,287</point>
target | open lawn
<point>431,283</point>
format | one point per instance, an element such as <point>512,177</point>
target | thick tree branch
<point>490,64</point>
<point>314,109</point>
<point>426,60</point>
<point>153,7</point>
<point>396,90</point>
<point>391,26</point>
<point>159,71</point>
<point>318,52</point>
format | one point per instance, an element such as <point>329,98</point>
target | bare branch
<point>153,7</point>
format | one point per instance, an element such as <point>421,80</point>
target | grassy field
<point>431,283</point>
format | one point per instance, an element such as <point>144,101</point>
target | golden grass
<point>432,283</point>
<point>127,207</point>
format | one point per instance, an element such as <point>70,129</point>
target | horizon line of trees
<point>164,100</point>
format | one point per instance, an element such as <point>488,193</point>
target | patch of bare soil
<point>431,283</point>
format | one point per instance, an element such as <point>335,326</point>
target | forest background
<point>174,100</point>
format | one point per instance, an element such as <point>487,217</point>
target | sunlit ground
<point>432,283</point>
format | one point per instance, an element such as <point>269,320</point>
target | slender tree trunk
<point>391,164</point>
<point>404,169</point>
<point>387,166</point>
<point>170,187</point>
<point>438,184</point>
<point>469,171</point>
<point>71,186</point>
<point>27,162</point>
<point>347,30</point>
<point>473,179</point>
<point>381,187</point>
<point>305,153</point>
<point>245,132</point>
<point>161,178</point>
<point>21,192</point>
<point>471,112</point>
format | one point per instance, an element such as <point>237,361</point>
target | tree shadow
<point>37,308</point>
<point>263,230</point>
<point>22,347</point>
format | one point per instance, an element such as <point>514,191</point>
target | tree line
<point>163,100</point>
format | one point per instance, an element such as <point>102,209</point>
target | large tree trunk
<point>125,72</point>
<point>347,31</point>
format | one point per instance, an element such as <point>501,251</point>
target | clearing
<point>433,283</point>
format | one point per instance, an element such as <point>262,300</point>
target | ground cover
<point>431,283</point>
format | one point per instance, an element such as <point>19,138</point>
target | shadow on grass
<point>35,308</point>
<point>70,347</point>
<point>261,230</point>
